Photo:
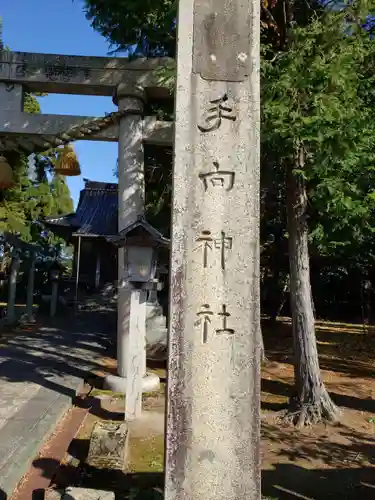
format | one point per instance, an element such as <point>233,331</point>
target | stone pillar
<point>130,99</point>
<point>11,97</point>
<point>12,288</point>
<point>131,196</point>
<point>30,288</point>
<point>131,192</point>
<point>136,355</point>
<point>213,412</point>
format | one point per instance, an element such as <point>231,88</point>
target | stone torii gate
<point>131,84</point>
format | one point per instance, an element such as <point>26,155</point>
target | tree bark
<point>4,263</point>
<point>263,357</point>
<point>283,297</point>
<point>312,402</point>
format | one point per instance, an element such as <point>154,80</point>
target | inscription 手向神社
<point>222,179</point>
<point>207,243</point>
<point>205,315</point>
<point>218,109</point>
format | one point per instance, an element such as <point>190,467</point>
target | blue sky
<point>60,27</point>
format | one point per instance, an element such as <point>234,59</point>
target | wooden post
<point>77,270</point>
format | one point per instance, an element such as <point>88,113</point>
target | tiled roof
<point>96,213</point>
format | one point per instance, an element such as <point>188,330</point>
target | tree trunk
<point>4,264</point>
<point>283,297</point>
<point>263,357</point>
<point>312,402</point>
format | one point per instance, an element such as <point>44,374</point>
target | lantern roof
<point>142,229</point>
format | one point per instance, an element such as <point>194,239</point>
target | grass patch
<point>105,392</point>
<point>146,455</point>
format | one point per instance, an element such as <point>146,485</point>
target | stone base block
<point>151,383</point>
<point>108,446</point>
<point>72,493</point>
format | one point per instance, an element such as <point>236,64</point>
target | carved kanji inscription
<point>224,315</point>
<point>217,179</point>
<point>207,243</point>
<point>205,317</point>
<point>219,108</point>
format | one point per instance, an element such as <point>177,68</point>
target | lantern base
<point>115,383</point>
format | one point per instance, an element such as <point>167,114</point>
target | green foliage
<point>62,202</point>
<point>143,28</point>
<point>319,93</point>
<point>31,105</point>
<point>317,90</point>
<point>29,200</point>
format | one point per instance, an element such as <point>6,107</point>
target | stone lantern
<point>141,242</point>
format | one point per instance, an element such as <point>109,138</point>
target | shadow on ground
<point>338,345</point>
<point>289,482</point>
<point>134,486</point>
<point>280,388</point>
<point>285,481</point>
<point>305,465</point>
<point>61,352</point>
<point>341,468</point>
<point>319,463</point>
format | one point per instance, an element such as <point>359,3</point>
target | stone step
<point>73,493</point>
<point>22,436</point>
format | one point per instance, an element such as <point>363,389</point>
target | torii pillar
<point>131,306</point>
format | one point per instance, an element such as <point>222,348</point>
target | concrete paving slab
<point>40,374</point>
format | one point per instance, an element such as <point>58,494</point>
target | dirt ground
<point>321,462</point>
